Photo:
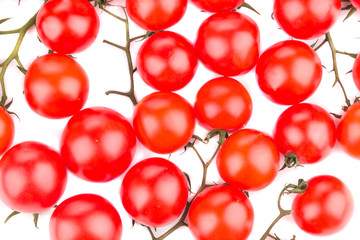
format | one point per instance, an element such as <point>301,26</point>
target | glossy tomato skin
<point>248,160</point>
<point>98,144</point>
<point>156,15</point>
<point>325,208</point>
<point>356,4</point>
<point>223,103</point>
<point>289,72</point>
<point>217,5</point>
<point>228,43</point>
<point>33,177</point>
<point>306,19</point>
<point>67,26</point>
<point>7,130</point>
<point>221,212</point>
<point>154,192</point>
<point>164,122</point>
<point>56,86</point>
<point>167,61</point>
<point>356,71</point>
<point>85,217</point>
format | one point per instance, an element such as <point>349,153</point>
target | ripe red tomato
<point>306,19</point>
<point>221,212</point>
<point>356,70</point>
<point>154,192</point>
<point>248,160</point>
<point>155,15</point>
<point>32,177</point>
<point>325,208</point>
<point>85,216</point>
<point>166,61</point>
<point>289,72</point>
<point>7,130</point>
<point>164,122</point>
<point>67,26</point>
<point>98,144</point>
<point>356,4</point>
<point>56,86</point>
<point>228,43</point>
<point>217,5</point>
<point>223,103</point>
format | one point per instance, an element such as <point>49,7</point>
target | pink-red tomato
<point>221,212</point>
<point>164,122</point>
<point>223,103</point>
<point>154,192</point>
<point>85,217</point>
<point>289,72</point>
<point>155,15</point>
<point>98,144</point>
<point>306,19</point>
<point>228,43</point>
<point>248,160</point>
<point>166,61</point>
<point>356,71</point>
<point>217,5</point>
<point>7,130</point>
<point>356,4</point>
<point>325,208</point>
<point>33,177</point>
<point>56,86</point>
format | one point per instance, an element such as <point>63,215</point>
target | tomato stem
<point>291,160</point>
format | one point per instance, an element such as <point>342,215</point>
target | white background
<point>107,70</point>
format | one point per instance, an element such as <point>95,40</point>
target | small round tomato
<point>67,26</point>
<point>155,15</point>
<point>33,177</point>
<point>223,103</point>
<point>217,5</point>
<point>85,216</point>
<point>325,208</point>
<point>166,61</point>
<point>289,72</point>
<point>7,130</point>
<point>56,86</point>
<point>221,212</point>
<point>154,192</point>
<point>228,43</point>
<point>98,144</point>
<point>248,160</point>
<point>356,71</point>
<point>306,19</point>
<point>164,122</point>
<point>356,4</point>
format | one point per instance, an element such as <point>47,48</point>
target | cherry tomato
<point>248,160</point>
<point>289,72</point>
<point>356,4</point>
<point>67,26</point>
<point>56,86</point>
<point>167,61</point>
<point>356,71</point>
<point>32,177</point>
<point>155,15</point>
<point>228,43</point>
<point>217,5</point>
<point>164,122</point>
<point>221,212</point>
<point>85,216</point>
<point>325,208</point>
<point>223,103</point>
<point>7,130</point>
<point>98,144</point>
<point>154,192</point>
<point>306,19</point>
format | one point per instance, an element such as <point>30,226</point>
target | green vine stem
<point>291,161</point>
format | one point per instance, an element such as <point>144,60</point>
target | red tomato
<point>56,86</point>
<point>217,5</point>
<point>289,72</point>
<point>356,4</point>
<point>228,43</point>
<point>223,103</point>
<point>85,216</point>
<point>306,130</point>
<point>166,61</point>
<point>67,26</point>
<point>164,122</point>
<point>155,15</point>
<point>154,192</point>
<point>7,130</point>
<point>98,144</point>
<point>221,212</point>
<point>32,177</point>
<point>248,160</point>
<point>306,19</point>
<point>356,70</point>
<point>325,208</point>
